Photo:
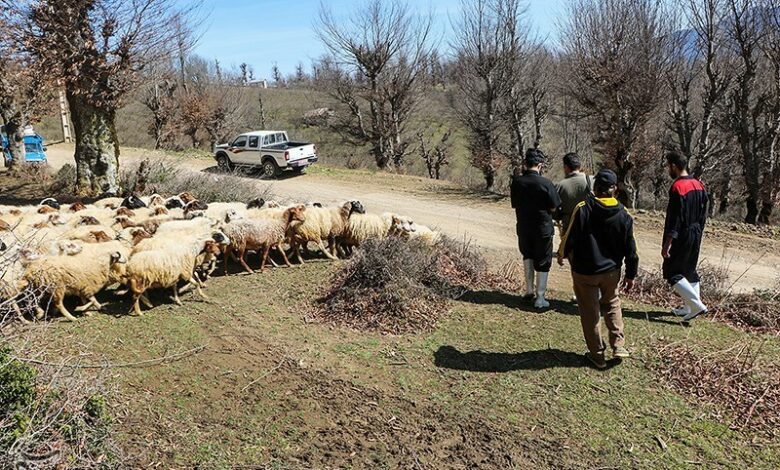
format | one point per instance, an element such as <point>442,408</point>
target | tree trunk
<point>490,178</point>
<point>626,193</point>
<point>751,203</point>
<point>14,130</point>
<point>97,149</point>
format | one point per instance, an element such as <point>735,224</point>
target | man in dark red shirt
<point>686,215</point>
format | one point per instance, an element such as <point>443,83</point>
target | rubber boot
<point>685,309</point>
<point>528,266</point>
<point>541,289</point>
<point>688,293</point>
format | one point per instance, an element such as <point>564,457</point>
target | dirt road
<point>751,261</point>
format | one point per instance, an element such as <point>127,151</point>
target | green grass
<point>516,371</point>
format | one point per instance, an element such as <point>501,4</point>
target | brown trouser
<point>597,295</point>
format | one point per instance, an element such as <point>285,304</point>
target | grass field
<point>496,385</point>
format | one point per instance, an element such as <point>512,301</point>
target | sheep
<point>218,210</point>
<point>47,210</point>
<point>132,236</point>
<point>187,197</point>
<point>132,202</point>
<point>256,203</point>
<point>109,203</point>
<point>84,275</point>
<point>164,269</point>
<point>125,212</point>
<point>174,202</point>
<point>363,227</point>
<point>76,207</point>
<point>256,234</point>
<point>406,228</point>
<point>195,209</point>
<point>50,202</point>
<point>90,234</point>
<point>323,224</point>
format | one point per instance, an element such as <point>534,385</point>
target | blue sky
<point>261,32</point>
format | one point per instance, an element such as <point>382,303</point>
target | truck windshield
<point>33,148</point>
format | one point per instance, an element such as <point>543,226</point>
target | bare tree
<point>436,156</point>
<point>753,111</point>
<point>98,49</point>
<point>487,45</point>
<point>378,57</point>
<point>214,103</point>
<point>699,64</point>
<point>618,54</point>
<point>276,75</point>
<point>159,96</point>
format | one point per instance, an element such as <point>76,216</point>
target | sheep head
<point>88,220</point>
<point>50,202</point>
<point>295,215</point>
<point>174,202</point>
<point>160,210</point>
<point>187,197</point>
<point>133,202</point>
<point>46,210</point>
<point>99,236</point>
<point>231,215</point>
<point>256,203</point>
<point>76,207</point>
<point>124,222</point>
<point>69,247</point>
<point>156,200</point>
<point>125,212</point>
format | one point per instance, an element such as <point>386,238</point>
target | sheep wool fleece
<point>534,199</point>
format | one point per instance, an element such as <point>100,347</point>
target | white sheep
<point>83,275</point>
<point>259,235</point>
<point>363,227</point>
<point>323,224</point>
<point>406,228</point>
<point>164,269</point>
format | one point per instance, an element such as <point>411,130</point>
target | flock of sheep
<point>152,242</point>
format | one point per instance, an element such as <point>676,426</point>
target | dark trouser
<point>597,296</point>
<point>684,257</point>
<point>536,245</point>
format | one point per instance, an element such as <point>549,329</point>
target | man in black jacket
<point>534,199</point>
<point>686,215</point>
<point>600,237</point>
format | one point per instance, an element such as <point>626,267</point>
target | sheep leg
<point>121,291</point>
<point>64,311</point>
<point>146,301</point>
<point>266,249</point>
<point>137,296</point>
<point>270,258</point>
<point>284,256</point>
<point>92,302</point>
<point>18,311</point>
<point>176,298</point>
<point>324,249</point>
<point>241,258</point>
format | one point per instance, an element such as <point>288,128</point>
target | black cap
<point>605,179</point>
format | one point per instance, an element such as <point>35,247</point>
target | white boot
<point>541,288</point>
<point>685,309</point>
<point>528,266</point>
<point>685,290</point>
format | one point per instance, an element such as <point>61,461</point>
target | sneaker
<point>621,352</point>
<point>597,360</point>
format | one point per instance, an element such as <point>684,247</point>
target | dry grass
<point>739,389</point>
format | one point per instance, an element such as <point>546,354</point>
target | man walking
<point>535,199</point>
<point>600,237</point>
<point>686,215</point>
<point>572,189</point>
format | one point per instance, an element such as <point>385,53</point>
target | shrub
<point>17,383</point>
<point>166,178</point>
<point>398,286</point>
<point>64,180</point>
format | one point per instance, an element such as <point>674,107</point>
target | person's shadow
<point>449,357</point>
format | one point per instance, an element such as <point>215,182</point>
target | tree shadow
<point>449,357</point>
<point>465,192</point>
<point>517,302</point>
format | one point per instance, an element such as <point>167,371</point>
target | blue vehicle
<point>35,151</point>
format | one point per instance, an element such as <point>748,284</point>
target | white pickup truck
<point>270,151</point>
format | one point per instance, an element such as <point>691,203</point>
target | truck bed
<point>286,145</point>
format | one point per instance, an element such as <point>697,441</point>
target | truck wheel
<point>270,170</point>
<point>224,163</point>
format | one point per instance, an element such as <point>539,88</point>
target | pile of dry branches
<point>740,389</point>
<point>758,311</point>
<point>396,286</point>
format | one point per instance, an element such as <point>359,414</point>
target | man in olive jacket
<point>599,239</point>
